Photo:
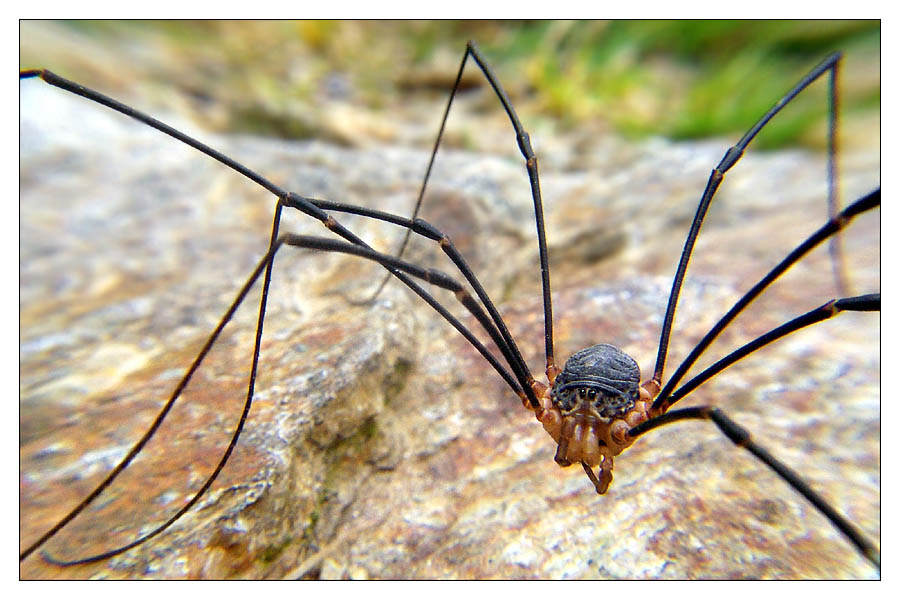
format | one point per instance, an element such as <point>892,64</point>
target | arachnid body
<point>380,444</point>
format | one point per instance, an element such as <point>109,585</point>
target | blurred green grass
<point>677,79</point>
<point>682,75</point>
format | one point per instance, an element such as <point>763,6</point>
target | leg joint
<point>737,434</point>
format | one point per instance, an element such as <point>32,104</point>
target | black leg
<point>869,302</point>
<point>432,276</point>
<point>304,206</point>
<point>421,195</point>
<point>524,142</point>
<point>867,202</point>
<point>266,263</point>
<point>732,156</point>
<point>741,437</point>
<point>508,345</point>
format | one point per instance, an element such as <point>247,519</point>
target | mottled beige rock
<point>380,445</point>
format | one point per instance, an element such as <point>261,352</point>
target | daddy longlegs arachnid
<point>380,444</point>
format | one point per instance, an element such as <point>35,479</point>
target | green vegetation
<point>679,79</point>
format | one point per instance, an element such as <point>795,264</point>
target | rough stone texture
<point>380,445</point>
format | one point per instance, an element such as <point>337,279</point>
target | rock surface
<point>380,445</point>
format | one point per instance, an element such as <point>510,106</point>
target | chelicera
<point>590,406</point>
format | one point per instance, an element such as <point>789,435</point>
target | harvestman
<point>595,406</point>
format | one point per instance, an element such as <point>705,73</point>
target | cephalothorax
<point>590,406</point>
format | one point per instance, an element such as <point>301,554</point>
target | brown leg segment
<point>601,483</point>
<point>561,450</point>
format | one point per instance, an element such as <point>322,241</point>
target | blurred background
<point>359,82</point>
<point>131,246</point>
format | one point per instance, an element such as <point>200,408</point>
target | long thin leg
<point>729,160</point>
<point>160,417</point>
<point>432,276</point>
<point>94,96</point>
<point>437,143</point>
<point>429,231</point>
<point>835,247</point>
<point>289,198</point>
<point>524,142</point>
<point>867,202</point>
<point>868,302</point>
<point>527,394</point>
<point>309,208</point>
<point>741,437</point>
